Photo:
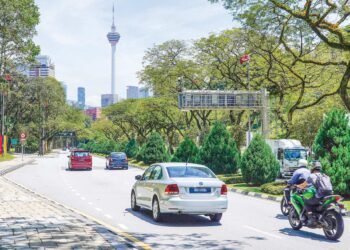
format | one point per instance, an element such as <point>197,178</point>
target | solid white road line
<point>123,226</point>
<point>263,232</point>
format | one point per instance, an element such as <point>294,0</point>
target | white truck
<point>287,152</point>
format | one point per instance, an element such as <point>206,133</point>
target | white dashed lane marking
<point>108,216</point>
<point>98,209</point>
<point>123,226</point>
<point>263,232</point>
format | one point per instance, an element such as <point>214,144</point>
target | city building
<point>43,68</point>
<point>108,99</point>
<point>113,38</point>
<point>81,97</point>
<point>94,113</point>
<point>144,92</point>
<point>64,86</point>
<point>132,92</point>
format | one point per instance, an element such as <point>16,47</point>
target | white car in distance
<point>179,188</point>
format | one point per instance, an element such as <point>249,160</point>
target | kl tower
<point>113,38</point>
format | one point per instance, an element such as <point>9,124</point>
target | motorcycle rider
<point>302,173</point>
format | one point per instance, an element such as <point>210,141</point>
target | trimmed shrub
<point>131,148</point>
<point>219,151</point>
<point>258,164</point>
<point>186,152</point>
<point>275,188</point>
<point>153,150</point>
<point>231,179</point>
<point>332,148</point>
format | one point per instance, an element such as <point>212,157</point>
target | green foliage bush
<point>131,148</point>
<point>153,150</point>
<point>332,148</point>
<point>186,152</point>
<point>219,151</point>
<point>258,164</point>
<point>275,188</point>
<point>231,179</point>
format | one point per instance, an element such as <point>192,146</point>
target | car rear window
<point>81,153</point>
<point>118,155</point>
<point>188,172</point>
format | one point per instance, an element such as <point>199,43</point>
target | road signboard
<point>22,137</point>
<point>13,141</point>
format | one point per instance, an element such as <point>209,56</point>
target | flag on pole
<point>245,58</point>
<point>8,77</point>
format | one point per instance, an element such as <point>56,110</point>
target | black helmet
<point>316,166</point>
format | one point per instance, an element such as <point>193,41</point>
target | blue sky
<point>73,34</point>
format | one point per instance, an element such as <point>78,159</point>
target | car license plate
<point>201,190</point>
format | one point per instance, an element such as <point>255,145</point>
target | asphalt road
<point>249,223</point>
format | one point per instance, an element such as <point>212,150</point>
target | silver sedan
<point>179,188</point>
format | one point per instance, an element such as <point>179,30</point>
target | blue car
<point>117,160</point>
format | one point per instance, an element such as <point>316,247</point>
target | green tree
<point>258,163</point>
<point>18,19</point>
<point>154,150</point>
<point>316,23</point>
<point>332,148</point>
<point>186,152</point>
<point>219,151</point>
<point>131,148</point>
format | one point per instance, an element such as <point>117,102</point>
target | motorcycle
<point>328,214</point>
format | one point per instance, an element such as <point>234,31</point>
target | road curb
<point>264,196</point>
<point>15,167</point>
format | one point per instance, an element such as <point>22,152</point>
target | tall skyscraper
<point>144,92</point>
<point>81,97</point>
<point>43,68</point>
<point>132,92</point>
<point>107,99</point>
<point>113,38</point>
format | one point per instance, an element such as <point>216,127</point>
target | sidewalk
<point>28,221</point>
<point>17,162</point>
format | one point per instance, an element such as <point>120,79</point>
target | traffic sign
<point>22,137</point>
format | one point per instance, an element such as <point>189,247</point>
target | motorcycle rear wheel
<point>294,219</point>
<point>336,225</point>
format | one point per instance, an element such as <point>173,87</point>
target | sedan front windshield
<point>295,154</point>
<point>190,172</point>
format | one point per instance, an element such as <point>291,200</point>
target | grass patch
<point>8,157</point>
<point>346,203</point>
<point>249,188</point>
<point>136,163</point>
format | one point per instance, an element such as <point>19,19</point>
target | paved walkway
<point>28,221</point>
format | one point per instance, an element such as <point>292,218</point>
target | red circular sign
<point>23,136</point>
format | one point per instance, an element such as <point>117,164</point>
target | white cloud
<point>74,36</point>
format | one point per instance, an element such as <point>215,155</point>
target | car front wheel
<point>134,206</point>
<point>157,216</point>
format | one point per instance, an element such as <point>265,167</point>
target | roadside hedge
<point>275,188</point>
<point>231,179</point>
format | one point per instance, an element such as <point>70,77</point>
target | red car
<point>80,159</point>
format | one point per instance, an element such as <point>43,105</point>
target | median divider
<point>264,196</point>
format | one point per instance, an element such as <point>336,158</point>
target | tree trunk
<point>343,89</point>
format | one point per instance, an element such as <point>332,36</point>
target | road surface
<point>249,223</point>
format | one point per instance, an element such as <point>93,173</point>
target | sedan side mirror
<point>138,177</point>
